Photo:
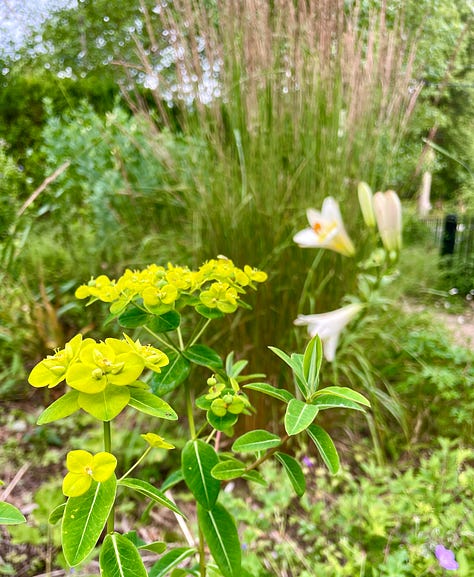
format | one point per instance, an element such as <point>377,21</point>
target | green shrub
<point>373,522</point>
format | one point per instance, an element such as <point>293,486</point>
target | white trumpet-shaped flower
<point>327,230</point>
<point>329,326</point>
<point>388,213</point>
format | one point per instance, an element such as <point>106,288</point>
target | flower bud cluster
<point>217,284</point>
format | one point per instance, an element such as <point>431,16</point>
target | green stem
<point>199,334</point>
<point>267,455</point>
<point>167,342</point>
<point>202,555</point>
<point>189,410</point>
<point>309,278</point>
<point>108,448</point>
<point>145,453</point>
<point>180,339</point>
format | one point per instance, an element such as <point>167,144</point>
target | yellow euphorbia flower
<point>102,363</point>
<point>153,358</point>
<point>156,441</point>
<point>327,230</point>
<point>83,468</point>
<point>52,370</point>
<point>220,295</point>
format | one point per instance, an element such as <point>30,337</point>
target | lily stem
<point>108,448</point>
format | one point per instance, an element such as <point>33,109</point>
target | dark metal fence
<point>454,235</point>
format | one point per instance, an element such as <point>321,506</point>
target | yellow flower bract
<point>84,468</point>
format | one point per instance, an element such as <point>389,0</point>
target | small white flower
<point>329,326</point>
<point>327,230</point>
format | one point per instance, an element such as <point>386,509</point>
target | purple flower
<point>307,461</point>
<point>446,558</point>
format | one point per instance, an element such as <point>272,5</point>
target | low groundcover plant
<point>105,378</point>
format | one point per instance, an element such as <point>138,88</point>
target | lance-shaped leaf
<point>56,514</point>
<point>150,404</point>
<point>171,560</point>
<point>147,489</point>
<point>228,469</point>
<point>133,318</point>
<point>220,533</point>
<point>295,362</point>
<point>171,376</point>
<point>253,441</point>
<point>10,515</point>
<point>325,446</point>
<point>197,460</point>
<point>205,356</point>
<point>299,416</point>
<point>294,472</point>
<point>119,557</point>
<point>271,391</point>
<point>312,359</point>
<point>172,479</point>
<point>343,393</point>
<point>107,404</point>
<point>165,323</point>
<point>84,519</point>
<point>61,408</point>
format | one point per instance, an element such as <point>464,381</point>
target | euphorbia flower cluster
<point>217,284</point>
<point>89,366</point>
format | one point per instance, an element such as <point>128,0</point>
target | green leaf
<point>84,519</point>
<point>107,404</point>
<point>312,359</point>
<point>325,446</point>
<point>170,560</point>
<point>62,407</point>
<point>294,472</point>
<point>295,362</point>
<point>119,558</point>
<point>258,440</point>
<point>221,536</point>
<point>324,401</point>
<point>171,376</point>
<point>56,514</point>
<point>255,477</point>
<point>157,547</point>
<point>133,318</point>
<point>299,415</point>
<point>271,391</point>
<point>208,313</point>
<point>165,323</point>
<point>204,356</point>
<point>228,469</point>
<point>147,489</point>
<point>197,460</point>
<point>172,479</point>
<point>10,515</point>
<point>221,423</point>
<point>150,404</point>
<point>344,393</point>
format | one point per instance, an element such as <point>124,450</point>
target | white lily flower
<point>329,326</point>
<point>327,230</point>
<point>388,213</point>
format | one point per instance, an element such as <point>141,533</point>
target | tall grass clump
<point>294,101</point>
